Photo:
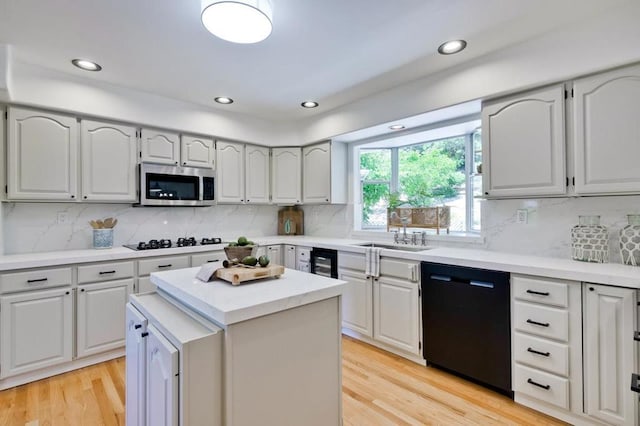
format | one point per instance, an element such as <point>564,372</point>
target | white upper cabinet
<point>523,143</point>
<point>42,156</point>
<point>324,169</point>
<point>286,175</point>
<point>160,147</point>
<point>197,152</point>
<point>607,132</point>
<point>108,162</point>
<point>230,172</point>
<point>257,182</point>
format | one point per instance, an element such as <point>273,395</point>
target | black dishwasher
<point>466,323</point>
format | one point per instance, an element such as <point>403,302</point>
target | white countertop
<point>227,304</point>
<point>602,273</point>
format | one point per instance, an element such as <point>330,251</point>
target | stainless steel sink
<point>395,247</point>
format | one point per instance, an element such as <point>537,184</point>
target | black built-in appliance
<point>466,323</point>
<point>324,262</point>
<point>176,186</point>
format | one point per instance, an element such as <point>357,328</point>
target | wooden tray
<point>237,275</point>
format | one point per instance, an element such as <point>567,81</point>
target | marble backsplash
<point>33,227</point>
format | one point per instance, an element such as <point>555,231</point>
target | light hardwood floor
<point>378,389</point>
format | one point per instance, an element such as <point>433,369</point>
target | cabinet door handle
<point>541,324</point>
<point>137,326</point>
<point>145,334</point>
<point>635,383</point>
<point>82,289</point>
<point>545,387</point>
<point>533,351</point>
<point>106,272</point>
<point>636,336</point>
<point>214,260</point>
<point>38,280</point>
<point>169,265</point>
<point>67,292</point>
<point>539,293</point>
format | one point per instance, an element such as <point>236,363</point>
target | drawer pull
<point>145,334</point>
<point>169,265</point>
<point>106,272</point>
<point>533,351</point>
<point>545,387</point>
<point>38,280</point>
<point>636,336</point>
<point>541,324</point>
<point>137,326</point>
<point>539,293</point>
<point>214,260</point>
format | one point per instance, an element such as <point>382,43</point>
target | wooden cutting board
<point>290,221</point>
<point>237,274</point>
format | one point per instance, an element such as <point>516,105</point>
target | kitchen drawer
<point>351,261</point>
<point>541,290</point>
<point>157,264</point>
<point>35,279</point>
<point>211,257</point>
<point>544,386</point>
<point>541,353</point>
<point>105,272</point>
<point>303,254</point>
<point>541,320</point>
<point>402,269</point>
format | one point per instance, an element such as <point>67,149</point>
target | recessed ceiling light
<point>309,104</point>
<point>396,127</point>
<point>223,100</point>
<point>451,47</point>
<point>86,65</point>
<point>238,21</point>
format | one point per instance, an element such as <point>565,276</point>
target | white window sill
<point>457,237</point>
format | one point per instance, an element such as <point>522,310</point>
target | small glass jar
<point>630,241</point>
<point>590,240</point>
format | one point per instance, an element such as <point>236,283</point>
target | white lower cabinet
<point>290,256</point>
<point>386,308</point>
<point>100,319</point>
<point>610,354</point>
<point>273,252</point>
<point>396,320</point>
<point>174,365</point>
<point>36,330</point>
<point>158,264</point>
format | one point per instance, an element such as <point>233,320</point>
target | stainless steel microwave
<point>176,186</point>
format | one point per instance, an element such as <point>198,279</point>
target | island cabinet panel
<point>162,380</point>
<point>109,159</point>
<point>230,172</point>
<point>299,349</point>
<point>136,367</point>
<point>42,156</point>
<point>159,146</point>
<point>29,343</point>
<point>607,133</point>
<point>523,143</point>
<point>101,316</point>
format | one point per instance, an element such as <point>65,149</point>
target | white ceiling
<point>332,51</point>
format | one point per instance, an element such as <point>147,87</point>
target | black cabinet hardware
<point>145,334</point>
<point>165,266</point>
<point>82,289</point>
<point>106,272</point>
<point>137,326</point>
<point>38,280</point>
<point>215,260</point>
<point>541,324</point>
<point>635,383</point>
<point>539,293</point>
<point>533,351</point>
<point>73,196</point>
<point>67,292</point>
<point>545,387</point>
<point>636,336</point>
<point>592,289</point>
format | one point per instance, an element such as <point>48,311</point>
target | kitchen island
<point>281,344</point>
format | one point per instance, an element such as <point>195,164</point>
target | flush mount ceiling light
<point>451,47</point>
<point>309,104</point>
<point>396,127</point>
<point>238,21</point>
<point>223,100</point>
<point>86,65</point>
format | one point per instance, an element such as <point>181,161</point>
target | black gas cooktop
<point>180,242</point>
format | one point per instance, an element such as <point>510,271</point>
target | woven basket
<point>240,252</point>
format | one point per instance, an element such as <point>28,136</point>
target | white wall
<point>4,72</point>
<point>37,86</point>
<point>609,40</point>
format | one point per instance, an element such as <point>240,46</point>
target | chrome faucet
<point>405,238</point>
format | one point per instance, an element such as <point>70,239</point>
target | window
<point>441,172</point>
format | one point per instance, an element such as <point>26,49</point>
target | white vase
<point>630,241</point>
<point>590,240</point>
